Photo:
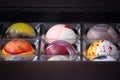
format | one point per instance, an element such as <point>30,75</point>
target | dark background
<point>61,3</point>
<point>60,10</point>
<point>85,11</point>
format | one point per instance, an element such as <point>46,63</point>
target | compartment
<point>20,29</point>
<point>101,42</point>
<point>60,11</point>
<point>81,43</point>
<point>19,49</point>
<point>28,31</point>
<point>60,36</point>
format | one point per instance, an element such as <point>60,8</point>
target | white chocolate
<point>59,58</point>
<point>60,32</point>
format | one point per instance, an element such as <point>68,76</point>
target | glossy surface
<point>60,47</point>
<point>61,32</point>
<point>101,47</point>
<point>18,47</point>
<point>20,29</point>
<point>101,31</point>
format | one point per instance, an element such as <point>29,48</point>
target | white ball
<point>60,32</point>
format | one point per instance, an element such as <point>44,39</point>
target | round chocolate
<point>60,47</point>
<point>18,47</point>
<point>61,32</point>
<point>100,48</point>
<point>101,31</point>
<point>20,29</point>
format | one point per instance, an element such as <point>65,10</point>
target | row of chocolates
<point>63,42</point>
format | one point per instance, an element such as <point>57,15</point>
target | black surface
<point>61,3</point>
<point>59,15</point>
<point>60,10</point>
<point>59,70</point>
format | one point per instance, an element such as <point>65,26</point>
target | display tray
<point>59,41</point>
<point>84,13</point>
